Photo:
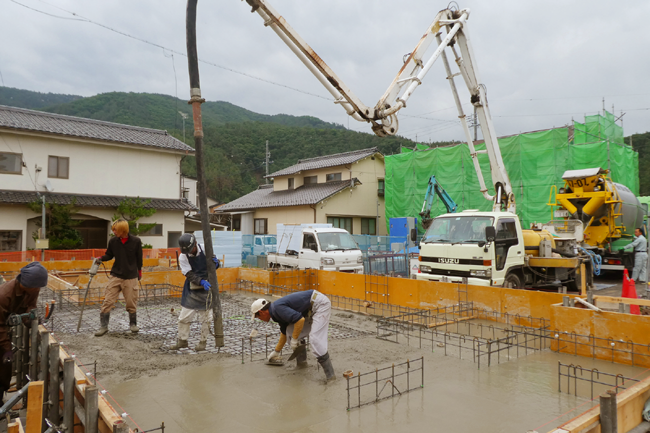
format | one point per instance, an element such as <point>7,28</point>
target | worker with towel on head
<point>299,315</point>
<point>17,296</point>
<point>125,274</point>
<point>195,300</point>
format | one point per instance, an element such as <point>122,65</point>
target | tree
<point>132,209</point>
<point>60,227</point>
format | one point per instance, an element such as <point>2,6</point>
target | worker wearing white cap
<point>299,315</point>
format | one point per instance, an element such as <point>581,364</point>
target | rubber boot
<point>103,319</point>
<point>180,344</point>
<point>201,346</point>
<point>326,363</point>
<point>133,322</point>
<point>301,361</point>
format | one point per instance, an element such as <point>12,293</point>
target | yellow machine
<point>609,211</point>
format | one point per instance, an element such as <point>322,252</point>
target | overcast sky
<point>544,63</point>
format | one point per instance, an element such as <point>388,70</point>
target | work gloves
<point>274,355</point>
<point>217,263</point>
<point>294,343</point>
<point>7,357</point>
<point>206,285</point>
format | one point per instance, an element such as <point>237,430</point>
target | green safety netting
<point>534,161</point>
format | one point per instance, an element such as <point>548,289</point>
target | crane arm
<point>435,189</point>
<point>383,116</point>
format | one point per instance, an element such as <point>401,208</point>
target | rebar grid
<point>459,326</point>
<point>593,377</point>
<point>399,378</point>
<point>158,310</point>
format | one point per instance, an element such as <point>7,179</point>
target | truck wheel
<point>513,281</point>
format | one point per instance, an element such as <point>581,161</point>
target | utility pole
<point>184,116</point>
<point>196,101</point>
<point>268,155</point>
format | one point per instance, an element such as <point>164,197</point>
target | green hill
<point>33,100</point>
<point>234,137</point>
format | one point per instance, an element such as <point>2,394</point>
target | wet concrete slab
<point>520,395</point>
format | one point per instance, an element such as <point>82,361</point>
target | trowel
<point>301,349</point>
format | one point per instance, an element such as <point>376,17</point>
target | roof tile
<point>326,161</point>
<point>58,124</point>
<point>265,197</point>
<point>24,197</point>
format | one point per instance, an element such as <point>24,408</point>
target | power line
<point>88,20</point>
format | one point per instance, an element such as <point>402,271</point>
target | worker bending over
<point>125,274</point>
<point>195,300</point>
<point>640,245</point>
<point>300,314</point>
<point>17,296</point>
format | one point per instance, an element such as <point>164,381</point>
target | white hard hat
<point>257,306</point>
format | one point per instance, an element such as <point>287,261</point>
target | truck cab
<point>457,246</point>
<point>326,248</point>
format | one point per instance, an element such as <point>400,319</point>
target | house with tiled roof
<point>345,189</point>
<point>90,163</point>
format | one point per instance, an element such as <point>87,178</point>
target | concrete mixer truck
<point>599,214</point>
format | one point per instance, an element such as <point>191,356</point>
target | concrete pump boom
<point>383,116</point>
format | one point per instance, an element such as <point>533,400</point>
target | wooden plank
<point>619,300</point>
<point>34,407</point>
<point>15,427</point>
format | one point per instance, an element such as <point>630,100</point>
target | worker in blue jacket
<point>299,315</point>
<point>195,300</point>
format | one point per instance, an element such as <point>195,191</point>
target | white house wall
<point>94,169</point>
<point>14,218</point>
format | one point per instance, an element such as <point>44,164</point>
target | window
<point>260,226</point>
<point>156,230</point>
<point>11,163</point>
<point>506,237</point>
<point>332,177</point>
<point>186,193</point>
<point>57,167</point>
<point>311,179</point>
<point>11,240</point>
<point>291,183</point>
<point>380,187</point>
<point>309,242</point>
<point>341,223</point>
<point>368,226</point>
<point>236,224</point>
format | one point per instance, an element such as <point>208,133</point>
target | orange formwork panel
<point>256,275</point>
<point>342,284</point>
<point>432,294</point>
<point>404,292</point>
<point>617,337</point>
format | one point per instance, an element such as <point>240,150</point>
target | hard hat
<point>257,306</point>
<point>186,242</point>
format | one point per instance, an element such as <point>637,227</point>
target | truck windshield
<point>458,229</point>
<point>337,241</point>
<point>270,240</point>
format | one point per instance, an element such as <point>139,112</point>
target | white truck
<point>316,247</point>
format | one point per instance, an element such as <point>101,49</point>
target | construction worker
<point>125,274</point>
<point>640,245</point>
<point>195,300</point>
<point>299,314</point>
<point>17,296</point>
